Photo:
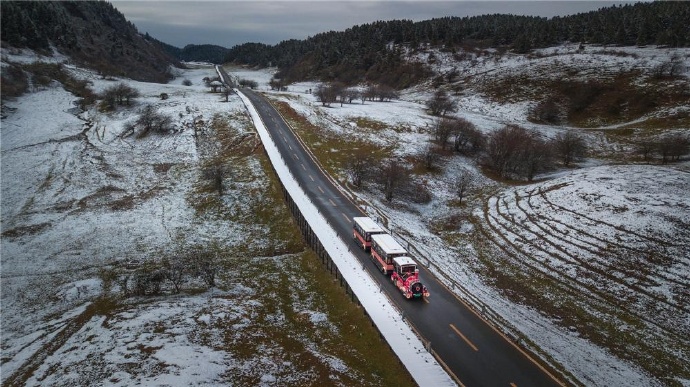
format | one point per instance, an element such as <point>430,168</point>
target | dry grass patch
<point>332,151</point>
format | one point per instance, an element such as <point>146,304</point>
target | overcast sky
<point>227,23</point>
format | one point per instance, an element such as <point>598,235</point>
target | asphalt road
<point>474,352</point>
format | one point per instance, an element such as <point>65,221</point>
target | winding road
<point>471,350</point>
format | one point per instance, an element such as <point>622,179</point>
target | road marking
<point>295,154</point>
<point>331,201</point>
<point>345,216</point>
<point>303,167</point>
<point>312,178</point>
<point>513,385</point>
<point>320,189</point>
<point>463,337</point>
<point>288,145</point>
<point>425,299</point>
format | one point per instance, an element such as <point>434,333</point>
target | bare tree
<point>535,157</point>
<point>351,94</point>
<point>415,192</point>
<point>148,280</point>
<point>152,120</point>
<point>358,169</point>
<point>646,149</point>
<point>444,130</point>
<point>215,174</point>
<point>370,93</point>
<point>248,83</point>
<point>393,175</point>
<point>501,147</point>
<point>429,156</point>
<point>468,139</point>
<point>120,94</point>
<point>671,68</point>
<point>547,111</point>
<point>387,93</point>
<point>440,104</point>
<point>671,148</point>
<point>462,183</point>
<point>569,146</point>
<point>205,263</point>
<point>363,96</point>
<point>126,94</point>
<point>279,84</point>
<point>514,151</point>
<point>175,271</point>
<point>326,94</point>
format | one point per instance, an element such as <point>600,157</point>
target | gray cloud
<point>228,23</point>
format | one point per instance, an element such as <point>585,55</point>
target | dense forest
<point>92,33</point>
<point>371,52</point>
<point>198,53</point>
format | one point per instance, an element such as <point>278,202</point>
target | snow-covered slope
<point>588,266</point>
<point>86,209</point>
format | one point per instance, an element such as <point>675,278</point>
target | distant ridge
<point>198,53</point>
<point>372,53</point>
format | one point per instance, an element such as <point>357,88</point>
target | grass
<point>332,151</point>
<point>288,288</point>
<point>287,277</point>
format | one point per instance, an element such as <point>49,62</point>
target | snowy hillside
<point>98,222</point>
<point>588,266</point>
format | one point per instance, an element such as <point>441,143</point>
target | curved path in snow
<point>472,350</point>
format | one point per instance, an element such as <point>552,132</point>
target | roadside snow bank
<point>425,370</point>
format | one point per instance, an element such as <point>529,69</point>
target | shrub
<point>468,139</point>
<point>14,81</point>
<point>515,152</point>
<point>440,104</point>
<point>152,120</point>
<point>569,146</point>
<point>547,111</point>
<point>120,94</point>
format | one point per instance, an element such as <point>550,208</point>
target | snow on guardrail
<point>423,367</point>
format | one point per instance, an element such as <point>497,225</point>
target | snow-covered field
<point>588,266</point>
<point>85,207</point>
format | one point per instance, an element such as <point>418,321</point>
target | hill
<point>372,52</point>
<point>588,263</point>
<point>94,34</point>
<point>208,53</point>
<point>203,52</point>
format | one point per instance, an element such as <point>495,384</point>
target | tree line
<point>329,93</point>
<point>371,52</point>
